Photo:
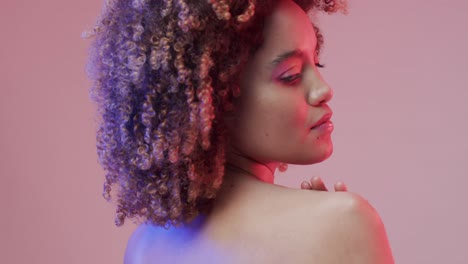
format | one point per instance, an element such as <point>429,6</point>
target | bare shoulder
<point>151,244</point>
<point>352,230</point>
<point>299,225</point>
<point>134,252</point>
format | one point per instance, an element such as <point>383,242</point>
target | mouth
<point>323,127</point>
<point>322,121</point>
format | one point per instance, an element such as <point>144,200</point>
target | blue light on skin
<point>176,242</point>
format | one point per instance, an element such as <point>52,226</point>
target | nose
<point>319,91</point>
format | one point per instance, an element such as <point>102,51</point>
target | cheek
<point>254,128</point>
<point>299,117</point>
<point>290,118</point>
<point>271,121</point>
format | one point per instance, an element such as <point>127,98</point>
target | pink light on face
<point>324,127</point>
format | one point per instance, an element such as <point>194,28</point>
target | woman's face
<point>281,99</point>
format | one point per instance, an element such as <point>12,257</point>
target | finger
<point>306,185</point>
<point>340,187</point>
<point>317,184</point>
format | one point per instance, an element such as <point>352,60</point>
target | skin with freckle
<point>271,110</point>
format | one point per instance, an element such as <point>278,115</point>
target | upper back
<point>291,226</point>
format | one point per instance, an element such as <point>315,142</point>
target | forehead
<point>287,29</point>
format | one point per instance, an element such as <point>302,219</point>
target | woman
<point>200,102</point>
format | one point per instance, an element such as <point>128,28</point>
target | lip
<point>325,118</point>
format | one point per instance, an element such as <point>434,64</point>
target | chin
<point>320,159</point>
<point>328,152</point>
<point>319,154</point>
<point>327,155</point>
<point>314,158</point>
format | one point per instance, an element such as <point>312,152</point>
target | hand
<point>316,184</point>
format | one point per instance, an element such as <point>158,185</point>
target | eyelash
<point>287,80</point>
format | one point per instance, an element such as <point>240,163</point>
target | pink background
<point>398,69</point>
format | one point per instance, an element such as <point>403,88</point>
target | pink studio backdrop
<point>398,70</point>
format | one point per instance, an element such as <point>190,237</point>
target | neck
<point>238,165</point>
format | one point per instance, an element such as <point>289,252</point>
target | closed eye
<point>293,79</point>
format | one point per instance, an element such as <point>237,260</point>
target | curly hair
<point>164,73</point>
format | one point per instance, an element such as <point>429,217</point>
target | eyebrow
<point>297,53</point>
